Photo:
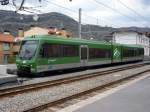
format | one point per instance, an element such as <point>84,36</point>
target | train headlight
<point>33,69</point>
<point>24,62</point>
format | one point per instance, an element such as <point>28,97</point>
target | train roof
<point>132,45</point>
<point>56,38</point>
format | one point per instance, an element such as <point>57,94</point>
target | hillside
<point>12,21</point>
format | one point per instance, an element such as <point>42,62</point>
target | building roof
<point>6,38</point>
<point>18,39</point>
<point>36,31</point>
<point>127,30</point>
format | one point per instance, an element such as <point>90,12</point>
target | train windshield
<point>28,49</point>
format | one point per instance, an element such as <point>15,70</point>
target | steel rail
<point>68,98</point>
<point>36,86</point>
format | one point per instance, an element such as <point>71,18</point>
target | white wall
<point>132,38</point>
<point>125,37</point>
<point>145,43</point>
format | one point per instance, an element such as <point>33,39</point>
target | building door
<point>5,59</point>
<point>84,55</point>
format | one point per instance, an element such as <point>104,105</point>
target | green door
<point>116,55</point>
<point>5,59</point>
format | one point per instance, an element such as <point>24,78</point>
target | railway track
<point>78,95</point>
<point>36,86</point>
<point>28,88</point>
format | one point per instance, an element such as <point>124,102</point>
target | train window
<point>59,50</point>
<point>51,50</point>
<point>99,53</point>
<point>70,50</point>
<point>129,52</point>
<point>141,51</point>
<point>28,49</point>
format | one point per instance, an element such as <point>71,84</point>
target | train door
<point>84,55</point>
<point>116,54</point>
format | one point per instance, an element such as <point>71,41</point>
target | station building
<point>133,37</point>
<point>6,47</point>
<point>35,30</point>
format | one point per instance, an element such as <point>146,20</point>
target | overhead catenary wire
<point>74,11</point>
<point>62,6</point>
<point>18,7</point>
<point>31,10</point>
<point>65,8</point>
<point>34,10</point>
<point>134,11</point>
<point>83,14</point>
<point>116,11</point>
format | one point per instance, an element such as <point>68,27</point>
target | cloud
<point>125,12</point>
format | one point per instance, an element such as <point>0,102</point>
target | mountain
<point>11,21</point>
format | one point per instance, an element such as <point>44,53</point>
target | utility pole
<point>79,24</point>
<point>97,21</point>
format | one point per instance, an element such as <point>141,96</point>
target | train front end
<point>26,61</point>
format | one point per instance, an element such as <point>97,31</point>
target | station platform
<point>4,76</point>
<point>11,69</point>
<point>133,96</point>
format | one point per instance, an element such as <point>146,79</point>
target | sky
<point>114,13</point>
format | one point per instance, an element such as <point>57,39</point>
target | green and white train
<point>39,54</point>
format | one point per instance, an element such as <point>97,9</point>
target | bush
<point>12,59</point>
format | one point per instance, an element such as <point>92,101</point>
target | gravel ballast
<point>24,101</point>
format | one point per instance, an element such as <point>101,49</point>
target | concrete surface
<point>11,69</point>
<point>146,58</point>
<point>4,76</point>
<point>3,69</point>
<point>7,78</point>
<point>134,98</point>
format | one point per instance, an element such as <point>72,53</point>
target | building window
<point>5,59</point>
<point>147,40</point>
<point>139,39</point>
<point>6,46</point>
